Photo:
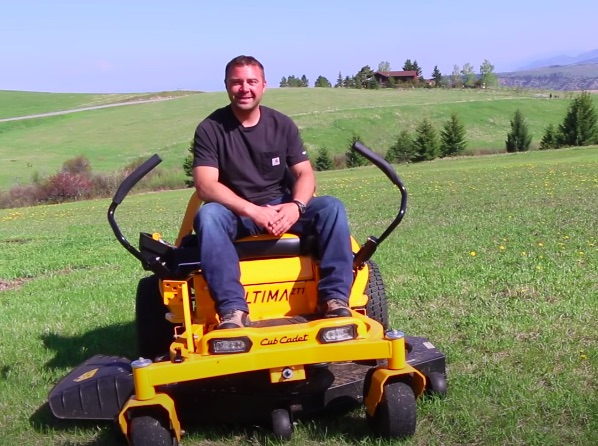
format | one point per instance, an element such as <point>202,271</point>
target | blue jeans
<point>217,227</point>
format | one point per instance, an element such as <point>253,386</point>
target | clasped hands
<point>277,219</point>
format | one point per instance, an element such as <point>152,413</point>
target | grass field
<point>496,262</point>
<point>111,138</point>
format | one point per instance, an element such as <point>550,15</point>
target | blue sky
<point>135,46</point>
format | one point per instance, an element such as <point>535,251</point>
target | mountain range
<point>556,73</point>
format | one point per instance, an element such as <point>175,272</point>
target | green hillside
<point>112,137</point>
<point>23,103</point>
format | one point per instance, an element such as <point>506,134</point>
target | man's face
<point>245,86</point>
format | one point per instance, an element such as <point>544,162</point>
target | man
<point>241,153</point>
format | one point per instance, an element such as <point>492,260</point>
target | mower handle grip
<point>378,161</point>
<point>368,249</point>
<point>134,177</point>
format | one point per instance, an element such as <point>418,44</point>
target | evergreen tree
<point>579,126</point>
<point>436,76</point>
<point>352,158</point>
<point>415,67</point>
<point>188,166</point>
<point>283,82</point>
<point>408,66</point>
<point>519,138</point>
<point>452,137</point>
<point>321,81</point>
<point>425,142</point>
<point>323,160</point>
<point>550,140</point>
<point>304,81</point>
<point>403,150</point>
<point>339,81</point>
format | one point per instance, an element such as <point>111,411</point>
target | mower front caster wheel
<point>150,430</point>
<point>282,426</point>
<point>396,414</point>
<point>436,384</point>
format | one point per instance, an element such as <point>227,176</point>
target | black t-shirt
<point>250,161</point>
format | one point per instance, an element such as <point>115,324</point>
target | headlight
<point>224,346</point>
<point>337,334</point>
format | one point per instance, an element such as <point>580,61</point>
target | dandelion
<point>540,244</point>
<point>472,253</point>
<point>502,247</point>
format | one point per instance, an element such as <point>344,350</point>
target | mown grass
<point>23,103</point>
<point>111,138</point>
<point>496,263</point>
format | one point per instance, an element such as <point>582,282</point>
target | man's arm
<point>305,182</point>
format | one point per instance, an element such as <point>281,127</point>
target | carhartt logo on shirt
<point>275,161</point>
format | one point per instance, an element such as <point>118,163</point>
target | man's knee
<point>210,215</point>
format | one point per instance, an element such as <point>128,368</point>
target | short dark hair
<point>241,61</point>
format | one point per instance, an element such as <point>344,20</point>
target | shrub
<point>188,166</point>
<point>402,150</point>
<point>579,127</point>
<point>352,158</point>
<point>452,137</point>
<point>425,142</point>
<point>65,187</point>
<point>323,160</point>
<point>518,139</point>
<point>77,166</point>
<point>551,138</point>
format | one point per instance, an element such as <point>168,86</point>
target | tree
<point>384,66</point>
<point>339,81</point>
<point>425,142</point>
<point>284,82</point>
<point>487,76</point>
<point>550,140</point>
<point>456,79</point>
<point>519,138</point>
<point>452,137</point>
<point>323,160</point>
<point>363,77</point>
<point>579,126</point>
<point>349,82</point>
<point>468,75</point>
<point>321,81</point>
<point>415,67</point>
<point>403,150</point>
<point>188,165</point>
<point>408,66</point>
<point>436,76</point>
<point>304,81</point>
<point>352,158</point>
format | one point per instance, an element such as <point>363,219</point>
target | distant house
<point>398,76</point>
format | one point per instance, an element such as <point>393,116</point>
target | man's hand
<point>286,215</point>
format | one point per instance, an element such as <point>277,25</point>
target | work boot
<point>336,308</point>
<point>234,319</point>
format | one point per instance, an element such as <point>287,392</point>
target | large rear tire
<point>154,332</point>
<point>377,306</point>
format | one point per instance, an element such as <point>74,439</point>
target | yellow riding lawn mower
<point>290,363</point>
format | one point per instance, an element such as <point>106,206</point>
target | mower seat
<point>181,261</point>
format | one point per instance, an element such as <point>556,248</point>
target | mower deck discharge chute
<point>290,362</point>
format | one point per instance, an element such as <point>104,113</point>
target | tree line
<point>578,128</point>
<point>460,77</point>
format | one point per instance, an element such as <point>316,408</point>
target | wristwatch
<point>301,206</point>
